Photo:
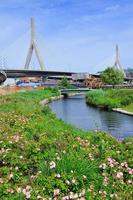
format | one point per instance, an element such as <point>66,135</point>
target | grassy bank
<point>129,108</point>
<point>41,157</point>
<point>114,98</point>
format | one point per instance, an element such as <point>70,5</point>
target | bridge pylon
<point>34,46</point>
<point>117,63</point>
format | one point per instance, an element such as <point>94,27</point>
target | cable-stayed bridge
<point>43,72</point>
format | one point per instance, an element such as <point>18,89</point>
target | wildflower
<point>124,165</point>
<point>65,198</point>
<point>16,167</point>
<point>27,195</point>
<point>24,191</point>
<point>56,192</point>
<point>57,175</point>
<point>71,195</point>
<point>75,196</point>
<point>10,190</point>
<point>112,195</point>
<point>67,182</point>
<point>28,187</point>
<point>39,197</point>
<point>58,158</point>
<point>11,176</point>
<point>73,180</point>
<point>130,171</point>
<point>119,175</point>
<point>52,165</point>
<point>129,181</point>
<point>1,181</point>
<point>103,166</point>
<point>19,190</point>
<point>83,192</point>
<point>21,157</point>
<point>103,193</point>
<point>16,138</point>
<point>84,177</point>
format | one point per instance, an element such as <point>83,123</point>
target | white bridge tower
<point>33,46</point>
<point>117,63</point>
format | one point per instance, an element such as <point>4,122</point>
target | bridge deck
<point>11,73</point>
<point>64,91</point>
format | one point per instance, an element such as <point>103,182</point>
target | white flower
<point>67,182</point>
<point>11,176</point>
<point>19,190</point>
<point>52,165</point>
<point>84,177</point>
<point>57,175</point>
<point>73,180</point>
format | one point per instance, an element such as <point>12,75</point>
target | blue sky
<point>73,35</point>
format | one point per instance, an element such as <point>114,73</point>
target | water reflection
<point>75,111</point>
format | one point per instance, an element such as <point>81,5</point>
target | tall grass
<point>109,99</point>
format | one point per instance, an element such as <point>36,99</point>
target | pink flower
<point>56,192</point>
<point>65,198</point>
<point>110,160</point>
<point>24,191</point>
<point>124,165</point>
<point>119,175</point>
<point>130,171</point>
<point>16,138</point>
<point>27,195</point>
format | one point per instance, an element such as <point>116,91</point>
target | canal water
<point>75,111</point>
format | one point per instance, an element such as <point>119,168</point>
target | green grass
<point>129,108</point>
<point>32,139</point>
<point>108,99</point>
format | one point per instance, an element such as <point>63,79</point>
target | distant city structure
<point>34,46</point>
<point>129,72</point>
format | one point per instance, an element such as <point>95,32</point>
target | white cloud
<point>113,8</point>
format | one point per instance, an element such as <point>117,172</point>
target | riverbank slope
<point>110,99</point>
<point>42,157</point>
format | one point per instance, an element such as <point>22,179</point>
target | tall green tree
<point>64,82</point>
<point>112,76</point>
